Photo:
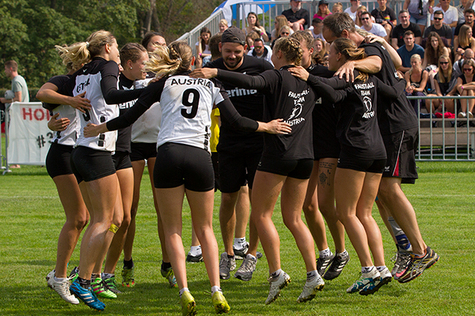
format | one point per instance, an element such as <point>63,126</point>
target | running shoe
<point>87,296</point>
<point>401,262</point>
<point>367,280</point>
<point>220,304</point>
<point>417,265</point>
<point>62,288</point>
<point>49,277</point>
<point>323,263</point>
<point>385,278</point>
<point>101,290</point>
<point>128,277</point>
<point>310,289</point>
<point>226,264</point>
<point>194,259</point>
<point>337,265</point>
<point>247,268</point>
<point>111,285</point>
<point>188,304</point>
<point>168,274</point>
<point>74,274</point>
<point>276,285</point>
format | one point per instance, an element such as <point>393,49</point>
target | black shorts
<point>299,169</point>
<point>89,164</point>
<point>179,164</point>
<point>143,151</point>
<point>358,164</point>
<point>237,168</point>
<point>121,160</point>
<point>58,160</point>
<point>401,151</point>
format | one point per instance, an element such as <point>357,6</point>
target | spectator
<point>285,31</point>
<point>320,52</point>
<point>202,48</point>
<point>440,28</point>
<point>317,28</point>
<point>261,50</point>
<point>464,4</point>
<point>397,37</point>
<point>250,38</point>
<point>152,40</point>
<point>465,86</point>
<point>463,41</point>
<point>254,25</point>
<point>442,82</point>
<point>469,15</point>
<point>385,16</point>
<point>416,81</point>
<point>418,11</point>
<point>360,10</point>
<point>434,49</point>
<point>458,65</point>
<point>19,86</point>
<point>451,15</point>
<point>373,28</point>
<point>279,22</point>
<point>337,7</point>
<point>298,17</point>
<point>323,10</point>
<point>407,50</point>
<point>214,42</point>
<point>355,4</point>
<point>223,25</point>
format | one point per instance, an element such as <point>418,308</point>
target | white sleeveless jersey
<point>186,111</point>
<point>147,126</point>
<point>89,79</point>
<point>69,136</point>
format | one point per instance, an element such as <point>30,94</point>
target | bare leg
<point>242,212</point>
<point>227,220</point>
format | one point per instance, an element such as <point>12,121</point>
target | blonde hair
<point>464,40</point>
<point>280,21</point>
<point>350,51</point>
<point>442,78</point>
<point>417,57</point>
<point>358,20</point>
<point>337,5</point>
<point>80,53</point>
<point>290,48</point>
<point>166,61</point>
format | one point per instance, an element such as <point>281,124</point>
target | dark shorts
<point>237,168</point>
<point>299,169</point>
<point>364,165</point>
<point>179,164</point>
<point>401,151</point>
<point>89,164</point>
<point>58,160</point>
<point>143,151</point>
<point>121,160</point>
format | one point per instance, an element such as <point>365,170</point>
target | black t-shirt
<point>445,31</point>
<point>248,102</point>
<point>387,15</point>
<point>288,98</point>
<point>398,32</point>
<point>457,29</point>
<point>295,16</point>
<point>124,134</point>
<point>443,86</point>
<point>393,116</point>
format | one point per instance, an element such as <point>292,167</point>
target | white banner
<point>29,136</point>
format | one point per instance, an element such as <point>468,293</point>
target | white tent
<point>230,11</point>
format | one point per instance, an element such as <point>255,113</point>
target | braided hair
<point>290,48</point>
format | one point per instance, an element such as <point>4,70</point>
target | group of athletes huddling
<point>335,142</point>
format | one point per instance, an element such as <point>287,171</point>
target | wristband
<point>461,87</point>
<point>262,33</point>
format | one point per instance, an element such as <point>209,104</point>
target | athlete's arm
<point>58,125</point>
<point>325,90</point>
<point>114,96</point>
<point>392,52</point>
<point>50,97</point>
<point>245,81</point>
<point>370,65</point>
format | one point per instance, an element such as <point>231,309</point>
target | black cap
<point>323,2</point>
<point>234,35</point>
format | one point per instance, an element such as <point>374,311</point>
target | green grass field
<point>31,218</point>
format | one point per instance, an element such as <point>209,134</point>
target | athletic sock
<point>84,283</point>
<point>166,265</point>
<point>107,275</point>
<point>275,275</point>
<point>380,268</point>
<point>128,264</point>
<point>343,254</point>
<point>59,279</point>
<point>215,289</point>
<point>185,289</point>
<point>239,243</point>
<point>366,269</point>
<point>325,253</point>
<point>311,275</point>
<point>195,251</point>
<point>401,238</point>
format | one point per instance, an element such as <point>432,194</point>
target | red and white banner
<point>29,137</point>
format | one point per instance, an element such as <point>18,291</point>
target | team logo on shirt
<point>299,99</point>
<point>368,105</point>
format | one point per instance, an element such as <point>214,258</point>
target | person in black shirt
<point>286,162</point>
<point>397,36</point>
<point>398,125</point>
<point>298,18</point>
<point>320,195</point>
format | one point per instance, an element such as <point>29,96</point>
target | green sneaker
<point>188,304</point>
<point>168,274</point>
<point>110,283</point>
<point>128,277</point>
<point>220,304</point>
<point>101,290</point>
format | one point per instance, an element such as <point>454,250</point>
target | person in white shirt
<point>373,28</point>
<point>261,50</point>
<point>451,15</point>
<point>355,4</point>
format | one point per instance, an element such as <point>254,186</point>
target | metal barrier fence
<point>443,138</point>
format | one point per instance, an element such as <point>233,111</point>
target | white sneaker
<point>276,285</point>
<point>247,268</point>
<point>62,288</point>
<point>470,115</point>
<point>49,278</point>
<point>310,289</point>
<point>462,115</point>
<point>226,265</point>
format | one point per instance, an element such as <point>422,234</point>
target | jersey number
<point>195,99</point>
